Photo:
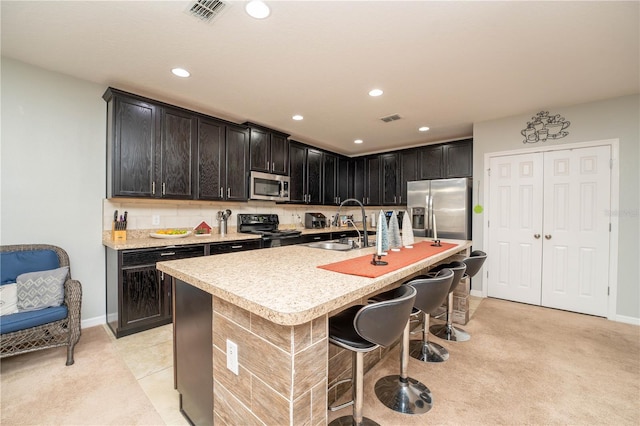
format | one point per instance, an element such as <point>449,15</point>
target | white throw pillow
<point>8,299</point>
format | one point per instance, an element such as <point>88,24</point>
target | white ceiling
<point>445,65</point>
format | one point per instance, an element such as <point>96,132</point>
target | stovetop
<point>263,224</point>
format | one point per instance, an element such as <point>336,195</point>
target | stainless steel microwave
<point>266,186</point>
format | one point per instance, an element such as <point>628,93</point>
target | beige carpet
<point>525,365</point>
<point>38,389</point>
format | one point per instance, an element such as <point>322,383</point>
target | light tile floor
<point>149,356</point>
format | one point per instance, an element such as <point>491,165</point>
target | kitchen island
<point>273,304</point>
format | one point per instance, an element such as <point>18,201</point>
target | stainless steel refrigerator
<point>447,202</point>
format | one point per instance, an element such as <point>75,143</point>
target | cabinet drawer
<point>233,247</point>
<point>314,237</point>
<point>151,256</point>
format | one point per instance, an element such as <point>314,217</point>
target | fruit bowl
<point>170,233</point>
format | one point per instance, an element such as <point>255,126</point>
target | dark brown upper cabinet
<point>449,160</point>
<point>269,150</point>
<point>372,181</point>
<point>305,168</point>
<point>390,179</point>
<point>149,148</point>
<point>223,161</point>
<point>408,171</point>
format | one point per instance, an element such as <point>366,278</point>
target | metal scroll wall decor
<point>545,127</point>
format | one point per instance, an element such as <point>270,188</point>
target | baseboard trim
<point>92,322</point>
<point>476,293</point>
<point>627,320</point>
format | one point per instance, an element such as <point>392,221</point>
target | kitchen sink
<point>331,245</point>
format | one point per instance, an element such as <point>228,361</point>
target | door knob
<point>536,236</point>
<point>548,236</point>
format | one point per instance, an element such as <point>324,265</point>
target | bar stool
<point>432,291</point>
<point>447,331</point>
<point>474,262</point>
<point>402,393</point>
<point>362,329</point>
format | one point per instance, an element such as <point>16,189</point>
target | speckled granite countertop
<point>283,284</point>
<point>141,239</point>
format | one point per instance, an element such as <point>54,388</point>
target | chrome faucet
<point>364,219</point>
<point>357,230</point>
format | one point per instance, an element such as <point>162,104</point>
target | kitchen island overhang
<point>284,284</point>
<point>273,304</point>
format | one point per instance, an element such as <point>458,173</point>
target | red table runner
<point>362,266</point>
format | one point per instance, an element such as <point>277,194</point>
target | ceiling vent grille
<point>390,118</point>
<point>206,10</point>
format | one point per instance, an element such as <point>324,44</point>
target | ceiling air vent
<point>206,10</point>
<point>390,118</point>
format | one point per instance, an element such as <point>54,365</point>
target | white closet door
<point>515,227</point>
<point>576,230</point>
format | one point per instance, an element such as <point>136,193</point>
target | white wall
<point>617,118</point>
<point>53,170</point>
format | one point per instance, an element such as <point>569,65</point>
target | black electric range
<point>266,225</point>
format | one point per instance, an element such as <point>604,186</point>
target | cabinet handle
<point>169,253</point>
<point>228,192</point>
<point>221,192</point>
<point>237,247</point>
<point>536,236</point>
<point>548,236</point>
<point>317,238</point>
<point>266,164</point>
<point>273,166</point>
<point>394,199</point>
<point>153,188</point>
<point>162,275</point>
<point>400,199</point>
<point>163,188</point>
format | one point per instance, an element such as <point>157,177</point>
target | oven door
<point>265,186</point>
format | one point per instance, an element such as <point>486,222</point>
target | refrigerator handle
<point>428,219</point>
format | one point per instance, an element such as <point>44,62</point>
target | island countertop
<point>284,284</point>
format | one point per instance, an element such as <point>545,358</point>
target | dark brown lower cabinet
<point>193,352</point>
<point>139,296</point>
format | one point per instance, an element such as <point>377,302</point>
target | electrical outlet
<point>155,219</point>
<point>232,356</point>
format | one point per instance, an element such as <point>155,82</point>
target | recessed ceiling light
<point>376,92</point>
<point>423,129</point>
<point>181,72</point>
<point>257,9</point>
<point>297,117</point>
<point>358,141</point>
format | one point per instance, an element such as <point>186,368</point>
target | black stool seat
<point>474,262</point>
<point>344,334</point>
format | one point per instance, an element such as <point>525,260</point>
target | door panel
<point>515,218</point>
<point>576,243</point>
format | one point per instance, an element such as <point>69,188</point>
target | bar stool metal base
<point>408,397</point>
<point>451,333</point>
<point>428,352</point>
<point>349,421</point>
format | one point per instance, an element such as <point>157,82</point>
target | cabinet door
<point>176,154</point>
<point>358,180</point>
<point>408,172</point>
<point>314,176</point>
<point>134,136</point>
<point>372,181</point>
<point>390,179</point>
<point>279,154</point>
<point>344,179</point>
<point>143,297</point>
<point>330,181</point>
<point>430,161</point>
<point>458,159</point>
<point>297,162</point>
<point>237,163</point>
<point>260,150</point>
<point>210,164</point>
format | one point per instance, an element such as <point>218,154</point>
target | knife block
<point>118,235</point>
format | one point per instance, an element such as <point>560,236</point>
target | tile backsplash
<point>188,214</point>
